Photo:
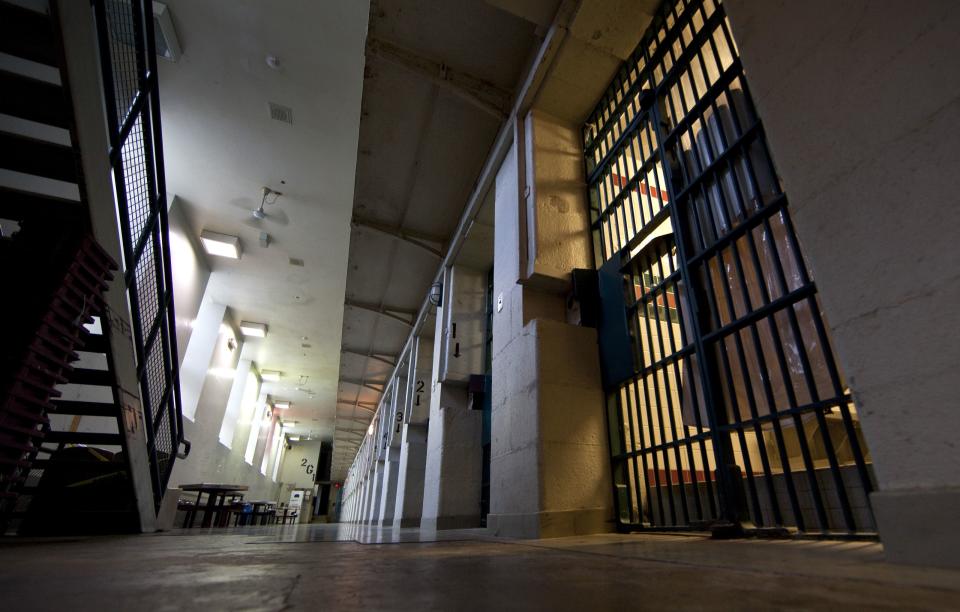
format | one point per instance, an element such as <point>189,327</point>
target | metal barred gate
<point>729,405</point>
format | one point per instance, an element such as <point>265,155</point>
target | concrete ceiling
<point>221,147</point>
<point>439,78</point>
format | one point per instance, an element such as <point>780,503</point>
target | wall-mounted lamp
<point>253,330</point>
<point>222,245</point>
<point>435,296</point>
<point>269,375</point>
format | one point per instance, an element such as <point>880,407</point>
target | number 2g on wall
<point>303,463</point>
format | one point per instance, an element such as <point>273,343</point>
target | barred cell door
<point>725,400</point>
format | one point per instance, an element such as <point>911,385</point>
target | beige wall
<point>292,473</point>
<point>861,103</point>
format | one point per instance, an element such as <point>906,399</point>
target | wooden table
<point>215,492</point>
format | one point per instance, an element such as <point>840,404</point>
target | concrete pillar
<point>550,464</point>
<point>413,461</point>
<point>364,500</point>
<point>388,496</point>
<point>376,491</point>
<point>451,492</point>
<point>200,349</point>
<point>237,393</point>
<point>884,258</point>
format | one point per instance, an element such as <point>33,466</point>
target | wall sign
<point>305,464</point>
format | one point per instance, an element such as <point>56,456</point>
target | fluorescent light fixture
<point>255,330</point>
<point>269,375</point>
<point>294,438</point>
<point>289,424</point>
<point>370,430</point>
<point>222,372</point>
<point>222,245</point>
<point>283,405</point>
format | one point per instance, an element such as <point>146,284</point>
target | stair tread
<point>83,437</point>
<point>100,378</point>
<point>86,408</point>
<point>27,34</point>
<point>33,99</point>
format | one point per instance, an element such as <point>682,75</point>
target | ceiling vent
<point>279,112</point>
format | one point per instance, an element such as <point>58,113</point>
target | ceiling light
<point>370,430</point>
<point>288,424</point>
<point>222,372</point>
<point>269,375</point>
<point>294,438</point>
<point>283,405</point>
<point>256,330</point>
<point>222,245</point>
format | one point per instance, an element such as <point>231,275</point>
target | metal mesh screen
<point>125,31</point>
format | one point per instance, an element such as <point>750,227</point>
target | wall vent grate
<point>278,112</point>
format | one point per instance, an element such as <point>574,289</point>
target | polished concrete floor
<point>323,567</point>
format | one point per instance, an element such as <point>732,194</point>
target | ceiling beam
<point>382,357</point>
<point>355,419</point>
<point>352,432</point>
<point>427,242</point>
<point>404,315</point>
<point>375,386</point>
<point>479,92</point>
<point>370,407</point>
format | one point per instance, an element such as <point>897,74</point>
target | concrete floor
<point>324,567</point>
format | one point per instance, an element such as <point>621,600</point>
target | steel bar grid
<point>736,411</point>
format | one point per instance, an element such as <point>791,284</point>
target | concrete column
<point>549,467</point>
<point>376,491</point>
<point>885,259</point>
<point>451,492</point>
<point>237,392</point>
<point>413,460</point>
<point>364,500</point>
<point>200,349</point>
<point>388,496</point>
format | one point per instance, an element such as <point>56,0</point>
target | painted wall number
<point>305,464</point>
<point>419,391</point>
<point>399,421</point>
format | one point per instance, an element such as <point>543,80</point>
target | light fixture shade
<point>254,330</point>
<point>270,375</point>
<point>283,405</point>
<point>222,245</point>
